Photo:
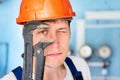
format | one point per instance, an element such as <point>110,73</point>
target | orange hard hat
<point>44,10</point>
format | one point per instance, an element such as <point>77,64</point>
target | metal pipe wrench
<point>37,51</point>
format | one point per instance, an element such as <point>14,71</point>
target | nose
<point>53,36</point>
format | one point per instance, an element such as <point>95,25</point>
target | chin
<point>53,64</point>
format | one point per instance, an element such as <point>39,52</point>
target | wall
<point>95,37</point>
<point>10,32</point>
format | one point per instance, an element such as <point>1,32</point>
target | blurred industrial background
<point>95,32</point>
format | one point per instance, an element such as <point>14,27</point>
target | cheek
<point>64,39</point>
<point>64,42</point>
<point>36,39</point>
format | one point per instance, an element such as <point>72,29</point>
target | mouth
<point>54,54</point>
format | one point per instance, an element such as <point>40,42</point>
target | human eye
<point>63,30</point>
<point>42,32</point>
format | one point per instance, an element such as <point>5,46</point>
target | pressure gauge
<point>85,51</point>
<point>104,52</point>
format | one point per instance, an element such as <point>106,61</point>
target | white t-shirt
<point>79,63</point>
<point>9,76</point>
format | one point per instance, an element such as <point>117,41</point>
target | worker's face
<point>57,51</point>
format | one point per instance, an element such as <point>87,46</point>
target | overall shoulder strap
<point>77,75</point>
<point>18,73</point>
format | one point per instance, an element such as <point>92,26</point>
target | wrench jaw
<point>43,44</point>
<point>40,58</point>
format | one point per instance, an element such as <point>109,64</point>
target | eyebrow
<point>43,26</point>
<point>64,28</point>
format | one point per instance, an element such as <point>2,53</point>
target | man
<point>50,21</point>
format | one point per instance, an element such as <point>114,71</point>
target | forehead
<point>53,23</point>
<point>56,21</point>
